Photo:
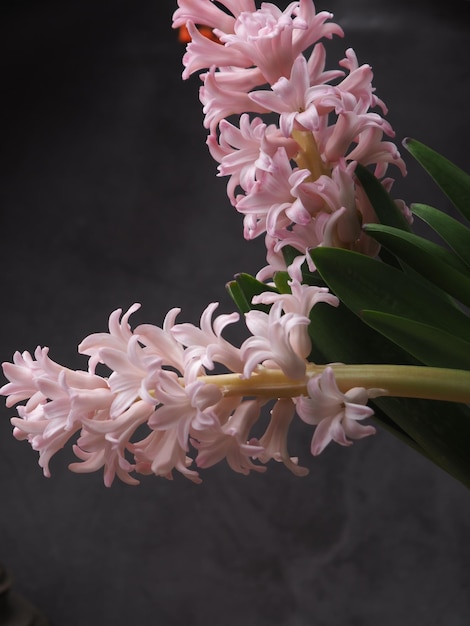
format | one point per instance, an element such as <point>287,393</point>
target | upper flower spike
<point>267,38</point>
<point>293,180</point>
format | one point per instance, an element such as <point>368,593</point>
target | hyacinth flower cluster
<point>181,397</point>
<point>293,180</point>
<point>159,378</point>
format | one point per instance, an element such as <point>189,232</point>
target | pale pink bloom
<point>230,440</point>
<point>339,223</point>
<point>318,27</point>
<point>237,150</point>
<point>274,440</point>
<point>134,374</point>
<point>236,79</point>
<point>48,385</point>
<point>348,129</point>
<point>117,338</point>
<point>328,211</point>
<point>274,257</point>
<point>244,151</point>
<point>345,221</point>
<point>308,202</point>
<point>346,209</point>
<point>103,442</point>
<point>336,415</point>
<point>273,343</point>
<point>134,366</point>
<point>300,301</point>
<point>288,96</point>
<point>359,137</point>
<point>324,194</point>
<point>202,53</point>
<point>300,99</point>
<point>358,83</point>
<point>238,6</point>
<point>316,67</point>
<point>23,373</point>
<point>337,207</point>
<point>60,400</point>
<point>272,39</point>
<point>371,149</point>
<point>44,435</point>
<point>206,346</point>
<point>160,453</point>
<point>206,13</point>
<point>135,358</point>
<point>181,405</point>
<point>161,343</point>
<point>69,404</point>
<point>353,93</point>
<point>265,205</point>
<point>220,102</point>
<point>219,413</point>
<point>99,453</point>
<point>329,193</point>
<point>302,237</point>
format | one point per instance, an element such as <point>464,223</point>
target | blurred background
<point>108,196</point>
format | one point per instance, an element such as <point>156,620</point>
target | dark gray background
<point>109,196</point>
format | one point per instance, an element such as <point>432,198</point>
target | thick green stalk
<point>403,381</point>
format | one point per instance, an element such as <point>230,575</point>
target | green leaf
<point>237,295</point>
<point>290,254</point>
<point>406,245</point>
<point>340,336</point>
<point>455,234</point>
<point>440,431</point>
<point>433,346</point>
<point>453,181</point>
<point>244,288</point>
<point>364,283</point>
<point>385,207</point>
<point>438,265</point>
<point>312,279</point>
<point>281,280</point>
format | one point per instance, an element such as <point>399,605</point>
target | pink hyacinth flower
<point>301,301</point>
<point>273,342</point>
<point>205,345</point>
<point>230,440</point>
<point>274,440</point>
<point>336,415</point>
<point>59,401</point>
<point>272,39</point>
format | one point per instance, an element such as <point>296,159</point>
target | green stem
<point>404,381</point>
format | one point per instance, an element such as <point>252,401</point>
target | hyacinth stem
<point>402,381</point>
<point>308,156</point>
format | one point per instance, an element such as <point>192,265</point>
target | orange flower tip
<point>185,37</point>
